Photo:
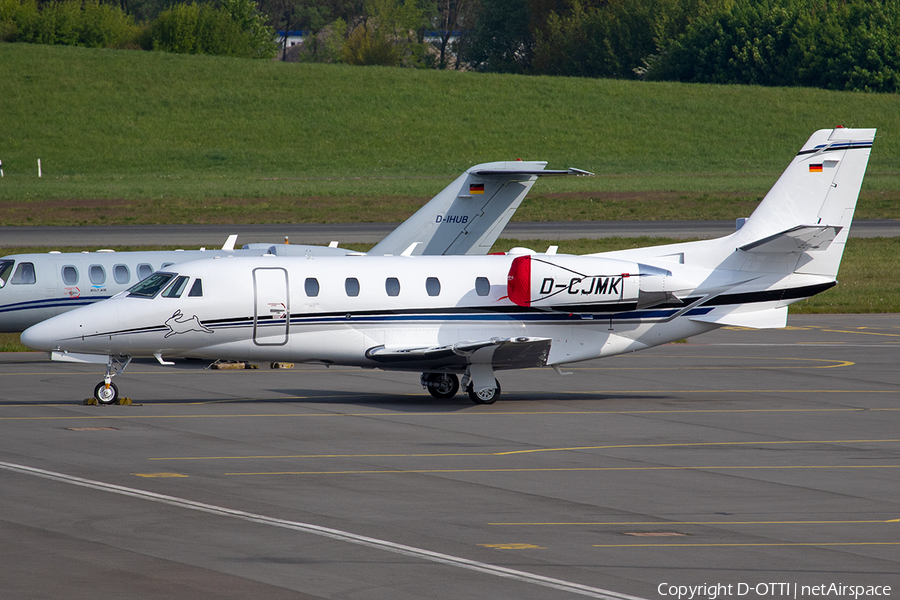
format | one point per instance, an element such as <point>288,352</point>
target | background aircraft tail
<point>808,212</point>
<point>468,215</point>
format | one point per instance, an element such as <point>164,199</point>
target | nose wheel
<point>106,393</point>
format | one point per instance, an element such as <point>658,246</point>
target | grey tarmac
<point>738,457</point>
<point>213,236</point>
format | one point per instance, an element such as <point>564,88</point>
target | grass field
<point>147,137</point>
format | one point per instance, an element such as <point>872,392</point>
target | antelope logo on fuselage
<point>178,325</point>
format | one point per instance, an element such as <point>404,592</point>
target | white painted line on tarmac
<point>336,534</point>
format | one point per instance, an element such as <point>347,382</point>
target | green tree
<point>71,22</point>
<point>445,20</point>
<point>236,29</point>
<point>498,39</point>
<point>390,35</point>
<point>607,41</point>
<point>851,45</point>
<point>256,36</point>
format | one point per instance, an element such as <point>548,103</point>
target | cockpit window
<point>176,288</point>
<point>5,269</point>
<point>24,274</point>
<point>149,287</point>
<point>196,289</point>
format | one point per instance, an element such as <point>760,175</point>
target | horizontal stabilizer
<point>502,353</point>
<point>773,318</point>
<point>803,238</point>
<point>529,172</point>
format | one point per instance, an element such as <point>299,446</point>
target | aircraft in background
<point>466,217</point>
<point>469,316</point>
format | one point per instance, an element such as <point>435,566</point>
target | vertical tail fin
<point>468,215</point>
<point>810,208</point>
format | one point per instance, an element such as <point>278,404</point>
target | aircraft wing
<point>501,353</point>
<point>468,215</point>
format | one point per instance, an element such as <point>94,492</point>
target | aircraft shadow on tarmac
<point>418,402</point>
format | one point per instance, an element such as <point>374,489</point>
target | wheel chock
<point>221,366</point>
<point>120,401</point>
<point>281,365</point>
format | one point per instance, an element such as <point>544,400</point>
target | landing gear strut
<point>106,391</point>
<point>441,385</point>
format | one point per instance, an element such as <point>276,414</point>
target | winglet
<point>229,243</point>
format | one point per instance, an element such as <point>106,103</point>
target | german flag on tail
<point>815,168</point>
<point>476,188</point>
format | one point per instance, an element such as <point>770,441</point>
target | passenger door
<point>272,309</point>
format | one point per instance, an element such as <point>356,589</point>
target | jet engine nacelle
<point>570,283</point>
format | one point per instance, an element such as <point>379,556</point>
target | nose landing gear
<point>106,391</point>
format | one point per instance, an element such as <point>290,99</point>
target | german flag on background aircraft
<point>815,168</point>
<point>476,188</point>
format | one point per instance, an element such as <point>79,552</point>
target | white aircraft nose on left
<point>67,331</point>
<point>40,336</point>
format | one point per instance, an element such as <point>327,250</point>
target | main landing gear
<point>485,396</point>
<point>441,385</point>
<point>445,385</point>
<point>106,391</point>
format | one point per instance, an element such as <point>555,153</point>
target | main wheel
<point>488,396</point>
<point>442,385</point>
<point>106,395</point>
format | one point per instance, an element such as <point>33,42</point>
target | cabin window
<point>176,288</point>
<point>24,274</point>
<point>5,269</point>
<point>121,274</point>
<point>69,275</point>
<point>97,275</point>
<point>433,286</point>
<point>144,271</point>
<point>482,286</point>
<point>351,285</point>
<point>149,287</point>
<point>392,286</point>
<point>196,289</point>
<point>312,287</point>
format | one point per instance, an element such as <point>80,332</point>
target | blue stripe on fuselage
<point>51,303</point>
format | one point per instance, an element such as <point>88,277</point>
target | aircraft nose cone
<point>39,336</point>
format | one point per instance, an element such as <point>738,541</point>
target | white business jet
<point>465,218</point>
<point>470,316</point>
